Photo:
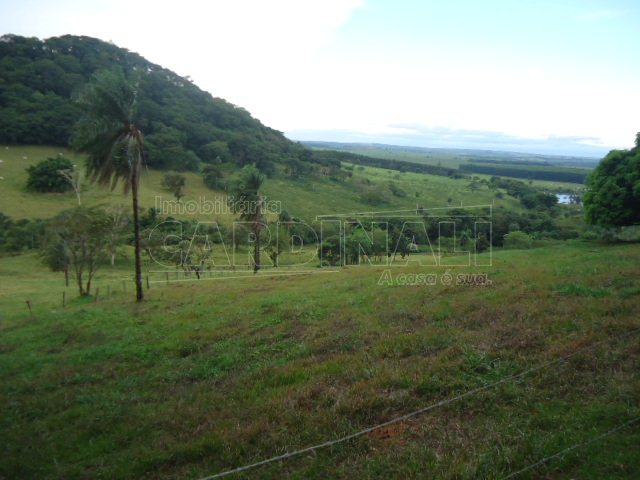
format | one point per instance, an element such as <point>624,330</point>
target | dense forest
<point>183,124</point>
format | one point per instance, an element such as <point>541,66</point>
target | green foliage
<point>79,242</point>
<point>19,235</point>
<point>184,125</point>
<point>45,176</point>
<point>612,198</point>
<point>530,197</point>
<point>396,191</point>
<point>165,150</point>
<point>374,195</point>
<point>175,183</point>
<point>245,198</point>
<point>216,152</point>
<point>517,240</point>
<point>212,177</point>
<point>107,132</point>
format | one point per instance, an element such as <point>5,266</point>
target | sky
<point>558,77</point>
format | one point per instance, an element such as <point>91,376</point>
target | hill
<point>183,124</point>
<point>212,375</point>
<point>303,197</point>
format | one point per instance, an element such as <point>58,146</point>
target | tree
<point>78,242</point>
<point>174,182</point>
<point>74,177</point>
<point>54,255</point>
<point>118,221</point>
<point>247,200</point>
<point>212,177</point>
<point>108,134</point>
<point>612,198</point>
<point>278,243</point>
<point>165,149</point>
<point>45,176</point>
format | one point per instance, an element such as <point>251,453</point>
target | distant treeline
<point>550,173</point>
<point>389,164</point>
<point>512,162</point>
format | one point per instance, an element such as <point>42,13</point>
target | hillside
<point>183,124</point>
<point>212,375</point>
<point>302,197</point>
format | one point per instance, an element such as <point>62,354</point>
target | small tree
<point>174,182</point>
<point>212,177</point>
<point>74,177</point>
<point>118,222</point>
<point>247,200</point>
<point>278,243</point>
<point>55,256</point>
<point>45,176</point>
<point>80,235</point>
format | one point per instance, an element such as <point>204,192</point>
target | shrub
<point>45,176</point>
<point>212,177</point>
<point>518,240</point>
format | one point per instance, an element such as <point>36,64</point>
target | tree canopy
<point>45,176</point>
<point>613,189</point>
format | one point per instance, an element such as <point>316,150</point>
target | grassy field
<point>210,375</point>
<point>302,198</point>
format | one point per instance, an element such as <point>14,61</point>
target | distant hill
<point>182,123</point>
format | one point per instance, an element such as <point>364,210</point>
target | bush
<point>212,177</point>
<point>45,176</point>
<point>174,182</point>
<point>396,190</point>
<point>518,240</point>
<point>374,196</point>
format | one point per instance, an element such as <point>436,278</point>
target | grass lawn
<point>207,376</point>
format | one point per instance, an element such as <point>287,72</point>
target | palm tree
<point>114,145</point>
<point>249,202</point>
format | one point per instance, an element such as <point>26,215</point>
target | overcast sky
<point>557,76</point>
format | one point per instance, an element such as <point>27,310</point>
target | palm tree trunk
<point>256,253</point>
<point>136,235</point>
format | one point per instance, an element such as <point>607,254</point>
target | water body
<point>565,198</point>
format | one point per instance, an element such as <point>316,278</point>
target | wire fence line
<point>441,403</point>
<point>573,447</point>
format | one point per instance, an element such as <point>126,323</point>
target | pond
<point>567,198</point>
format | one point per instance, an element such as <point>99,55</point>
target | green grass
<point>302,198</point>
<point>206,376</point>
